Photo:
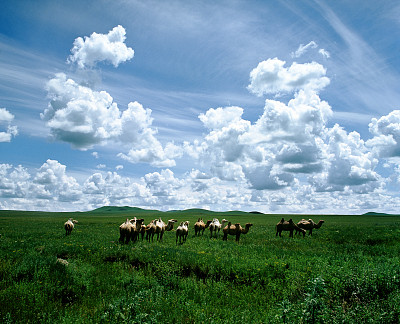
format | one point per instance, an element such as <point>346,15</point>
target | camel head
<point>247,227</point>
<point>139,222</point>
<point>208,223</point>
<point>170,224</point>
<point>74,221</point>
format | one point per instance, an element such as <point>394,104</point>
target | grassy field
<point>347,272</point>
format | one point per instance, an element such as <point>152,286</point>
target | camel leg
<point>237,237</point>
<point>291,234</point>
<point>310,233</point>
<point>225,237</point>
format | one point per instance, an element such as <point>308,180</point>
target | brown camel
<point>309,225</point>
<point>129,230</point>
<point>150,230</point>
<point>125,231</point>
<point>161,227</point>
<point>200,226</point>
<point>287,226</point>
<point>236,230</point>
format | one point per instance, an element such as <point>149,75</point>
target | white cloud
<point>220,117</point>
<point>6,117</point>
<point>386,131</point>
<point>101,47</point>
<point>52,182</point>
<point>271,77</point>
<point>349,163</point>
<point>84,118</point>
<point>324,53</point>
<point>287,142</point>
<point>304,48</point>
<point>80,116</point>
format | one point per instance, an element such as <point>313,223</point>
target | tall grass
<point>348,271</point>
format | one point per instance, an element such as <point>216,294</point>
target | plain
<point>347,271</point>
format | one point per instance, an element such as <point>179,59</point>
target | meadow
<point>347,272</point>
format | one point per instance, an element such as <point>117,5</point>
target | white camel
<point>182,232</point>
<point>215,226</point>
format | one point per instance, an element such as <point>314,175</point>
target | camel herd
<point>300,227</point>
<point>134,228</point>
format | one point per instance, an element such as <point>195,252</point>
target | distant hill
<point>140,211</point>
<point>122,209</point>
<point>376,214</point>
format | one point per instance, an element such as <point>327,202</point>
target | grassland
<point>347,272</point>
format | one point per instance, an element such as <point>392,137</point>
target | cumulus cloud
<point>110,47</point>
<point>51,188</point>
<point>386,131</point>
<point>6,117</point>
<point>303,118</point>
<point>52,182</point>
<point>84,118</point>
<point>349,163</point>
<point>286,140</point>
<point>271,77</point>
<point>80,116</point>
<point>287,145</point>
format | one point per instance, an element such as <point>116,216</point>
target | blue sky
<point>279,107</point>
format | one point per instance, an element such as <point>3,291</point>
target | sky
<point>269,106</point>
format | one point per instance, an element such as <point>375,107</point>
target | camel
<point>125,231</point>
<point>308,225</point>
<point>129,230</point>
<point>236,230</point>
<point>69,226</point>
<point>137,225</point>
<point>199,226</point>
<point>150,230</point>
<point>182,232</point>
<point>161,227</point>
<point>215,226</point>
<point>287,226</point>
<point>142,231</point>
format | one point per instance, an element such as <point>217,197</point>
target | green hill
<point>376,214</point>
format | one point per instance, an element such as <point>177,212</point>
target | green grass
<point>347,272</point>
